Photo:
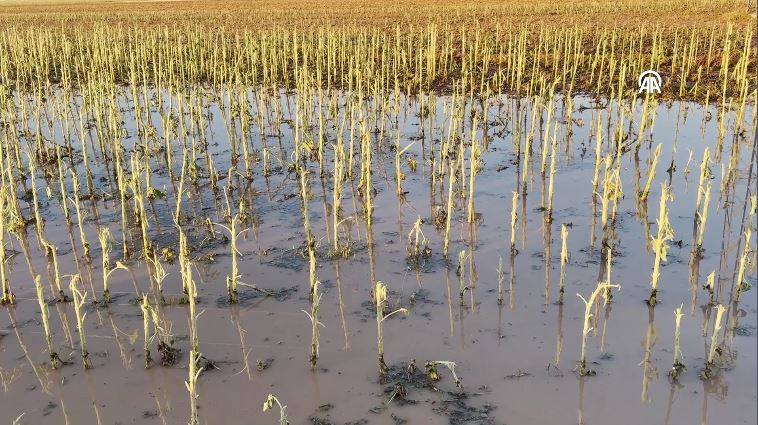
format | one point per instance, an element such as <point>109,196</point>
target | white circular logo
<point>649,82</point>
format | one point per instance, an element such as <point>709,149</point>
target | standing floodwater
<point>480,225</point>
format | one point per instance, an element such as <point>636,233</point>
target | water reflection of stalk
<point>432,188</point>
<point>704,405</point>
<point>649,343</point>
<point>354,199</point>
<point>499,323</point>
<point>675,143</point>
<point>580,418</point>
<point>97,412</point>
<point>7,377</point>
<point>41,374</point>
<point>341,304</point>
<point>670,403</point>
<point>744,212</point>
<point>461,312</point>
<point>725,239</point>
<point>606,317</point>
<point>399,221</point>
<point>65,325</point>
<point>93,201</point>
<point>559,336</point>
<point>693,298</point>
<point>602,270</point>
<point>523,219</point>
<point>24,242</point>
<point>706,319</point>
<point>542,190</point>
<point>126,359</point>
<point>637,179</point>
<point>641,205</point>
<point>275,117</point>
<point>249,197</point>
<point>63,410</point>
<point>727,339</point>
<point>645,225</point>
<point>473,276</point>
<point>161,414</point>
<point>449,301</point>
<point>371,259</point>
<point>90,273</point>
<point>137,290</point>
<point>160,392</point>
<point>92,392</point>
<point>70,231</point>
<point>511,281</point>
<point>234,317</point>
<point>547,227</point>
<point>267,180</point>
<point>326,209</point>
<point>694,266</point>
<point>195,196</point>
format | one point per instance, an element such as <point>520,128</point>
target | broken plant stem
<point>433,374</point>
<point>720,310</point>
<point>232,279</point>
<point>105,237</point>
<point>52,252</point>
<point>586,328</point>
<point>315,323</point>
<point>500,278</point>
<point>380,299</point>
<point>660,242</point>
<point>79,300</point>
<point>678,366</point>
<point>269,403</point>
<point>55,361</point>
<point>514,218</point>
<point>651,173</point>
<point>146,315</point>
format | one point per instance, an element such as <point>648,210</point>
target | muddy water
<point>516,360</point>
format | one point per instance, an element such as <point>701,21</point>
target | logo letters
<point>649,82</point>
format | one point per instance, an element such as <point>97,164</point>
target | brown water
<point>516,361</point>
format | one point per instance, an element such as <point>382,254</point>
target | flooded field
<point>385,212</point>
<point>550,198</point>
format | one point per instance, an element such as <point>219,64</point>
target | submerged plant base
<point>653,300</point>
<point>743,287</point>
<point>314,356</point>
<point>205,364</point>
<point>382,365</point>
<point>582,370</point>
<point>62,297</point>
<point>85,360</point>
<point>405,383</point>
<point>417,258</point>
<point>431,372</point>
<point>169,354</point>
<point>233,297</point>
<point>608,295</point>
<point>106,297</point>
<point>677,370</point>
<point>55,361</point>
<point>245,297</point>
<point>710,371</point>
<point>8,298</point>
<point>148,359</point>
